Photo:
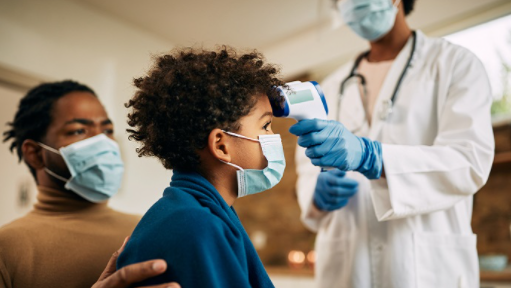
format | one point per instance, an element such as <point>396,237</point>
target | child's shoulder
<point>182,215</point>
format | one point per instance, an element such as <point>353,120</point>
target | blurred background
<point>105,44</point>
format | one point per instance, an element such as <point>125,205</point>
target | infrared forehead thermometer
<point>303,100</point>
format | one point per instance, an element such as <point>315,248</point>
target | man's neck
<point>45,180</point>
<point>388,47</point>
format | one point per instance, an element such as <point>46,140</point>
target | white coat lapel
<point>388,87</point>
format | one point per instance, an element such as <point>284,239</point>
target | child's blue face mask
<point>95,165</point>
<point>370,19</point>
<point>252,181</point>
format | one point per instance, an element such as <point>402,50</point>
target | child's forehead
<point>262,106</point>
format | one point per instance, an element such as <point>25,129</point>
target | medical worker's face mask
<point>369,19</point>
<point>252,181</point>
<point>95,165</point>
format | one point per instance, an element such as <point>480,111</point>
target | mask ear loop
<point>55,175</point>
<point>240,136</point>
<point>233,165</point>
<point>51,149</point>
<point>397,3</point>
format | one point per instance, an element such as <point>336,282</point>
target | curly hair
<point>188,93</point>
<point>34,113</point>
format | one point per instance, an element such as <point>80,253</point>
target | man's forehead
<point>79,105</point>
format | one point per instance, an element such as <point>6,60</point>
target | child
<point>207,116</point>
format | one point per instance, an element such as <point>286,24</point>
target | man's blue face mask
<point>370,19</point>
<point>252,181</point>
<point>95,165</point>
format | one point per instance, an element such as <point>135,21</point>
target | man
<point>63,134</point>
<point>414,125</point>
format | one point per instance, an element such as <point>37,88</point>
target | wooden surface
<point>285,271</point>
<point>496,276</point>
<point>502,158</point>
<point>491,218</point>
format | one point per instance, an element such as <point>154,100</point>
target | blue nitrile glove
<point>333,190</point>
<point>330,144</point>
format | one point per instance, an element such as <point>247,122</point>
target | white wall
<point>14,177</point>
<point>59,39</point>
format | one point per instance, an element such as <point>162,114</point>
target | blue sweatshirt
<point>199,236</point>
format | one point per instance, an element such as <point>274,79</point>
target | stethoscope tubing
<point>354,74</point>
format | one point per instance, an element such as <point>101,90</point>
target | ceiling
<point>289,32</point>
<point>240,23</point>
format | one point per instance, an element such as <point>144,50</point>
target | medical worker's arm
<point>125,277</point>
<point>420,179</point>
<point>305,188</point>
<point>333,190</point>
<point>330,144</point>
<point>424,179</point>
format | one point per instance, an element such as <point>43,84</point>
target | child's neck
<point>227,188</point>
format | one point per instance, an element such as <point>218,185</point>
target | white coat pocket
<point>446,260</point>
<point>333,263</point>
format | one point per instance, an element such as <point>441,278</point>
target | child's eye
<point>266,125</point>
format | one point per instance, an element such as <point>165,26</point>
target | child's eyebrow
<point>267,113</point>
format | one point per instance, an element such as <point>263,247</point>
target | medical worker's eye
<point>108,131</point>
<point>267,125</point>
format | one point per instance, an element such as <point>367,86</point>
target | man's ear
<point>218,145</point>
<point>32,154</point>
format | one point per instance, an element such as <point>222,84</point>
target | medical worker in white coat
<point>413,124</point>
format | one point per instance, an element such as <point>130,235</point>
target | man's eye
<point>76,132</point>
<point>109,131</point>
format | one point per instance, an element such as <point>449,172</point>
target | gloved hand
<point>330,144</point>
<point>333,190</point>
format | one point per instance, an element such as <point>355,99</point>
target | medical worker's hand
<point>330,144</point>
<point>333,190</point>
<point>126,276</point>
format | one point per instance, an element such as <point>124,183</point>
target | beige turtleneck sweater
<point>64,241</point>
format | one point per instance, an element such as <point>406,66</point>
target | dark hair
<point>408,6</point>
<point>188,93</point>
<point>34,113</point>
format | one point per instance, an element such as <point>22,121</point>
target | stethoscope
<point>386,107</point>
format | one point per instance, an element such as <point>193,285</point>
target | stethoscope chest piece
<point>386,105</point>
<point>386,109</point>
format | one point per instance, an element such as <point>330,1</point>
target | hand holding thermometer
<point>303,100</point>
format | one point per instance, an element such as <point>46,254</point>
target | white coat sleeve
<point>305,186</point>
<point>308,174</point>
<point>424,179</point>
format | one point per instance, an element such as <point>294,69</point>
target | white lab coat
<point>412,228</point>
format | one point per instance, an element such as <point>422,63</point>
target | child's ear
<point>218,145</point>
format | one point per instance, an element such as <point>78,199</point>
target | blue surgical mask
<point>252,181</point>
<point>370,19</point>
<point>95,165</point>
